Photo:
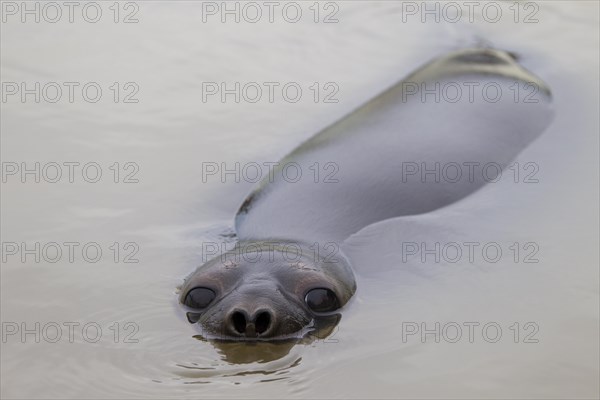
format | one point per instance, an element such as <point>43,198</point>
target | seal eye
<point>199,297</point>
<point>322,300</point>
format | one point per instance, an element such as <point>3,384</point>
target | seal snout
<point>259,324</point>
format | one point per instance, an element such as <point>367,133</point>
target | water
<point>163,219</point>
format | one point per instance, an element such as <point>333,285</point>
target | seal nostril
<point>239,322</point>
<point>262,323</point>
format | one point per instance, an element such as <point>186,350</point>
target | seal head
<point>267,290</point>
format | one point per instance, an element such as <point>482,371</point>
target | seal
<point>388,158</point>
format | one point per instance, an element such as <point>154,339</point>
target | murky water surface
<point>122,332</point>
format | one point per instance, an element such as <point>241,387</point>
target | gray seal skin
<point>234,297</point>
<point>260,288</point>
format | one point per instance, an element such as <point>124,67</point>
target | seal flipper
<point>469,109</point>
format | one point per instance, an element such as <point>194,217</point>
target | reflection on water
<point>248,352</point>
<point>170,212</point>
<point>244,353</point>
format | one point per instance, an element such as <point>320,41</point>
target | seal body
<point>399,153</point>
<point>428,141</point>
